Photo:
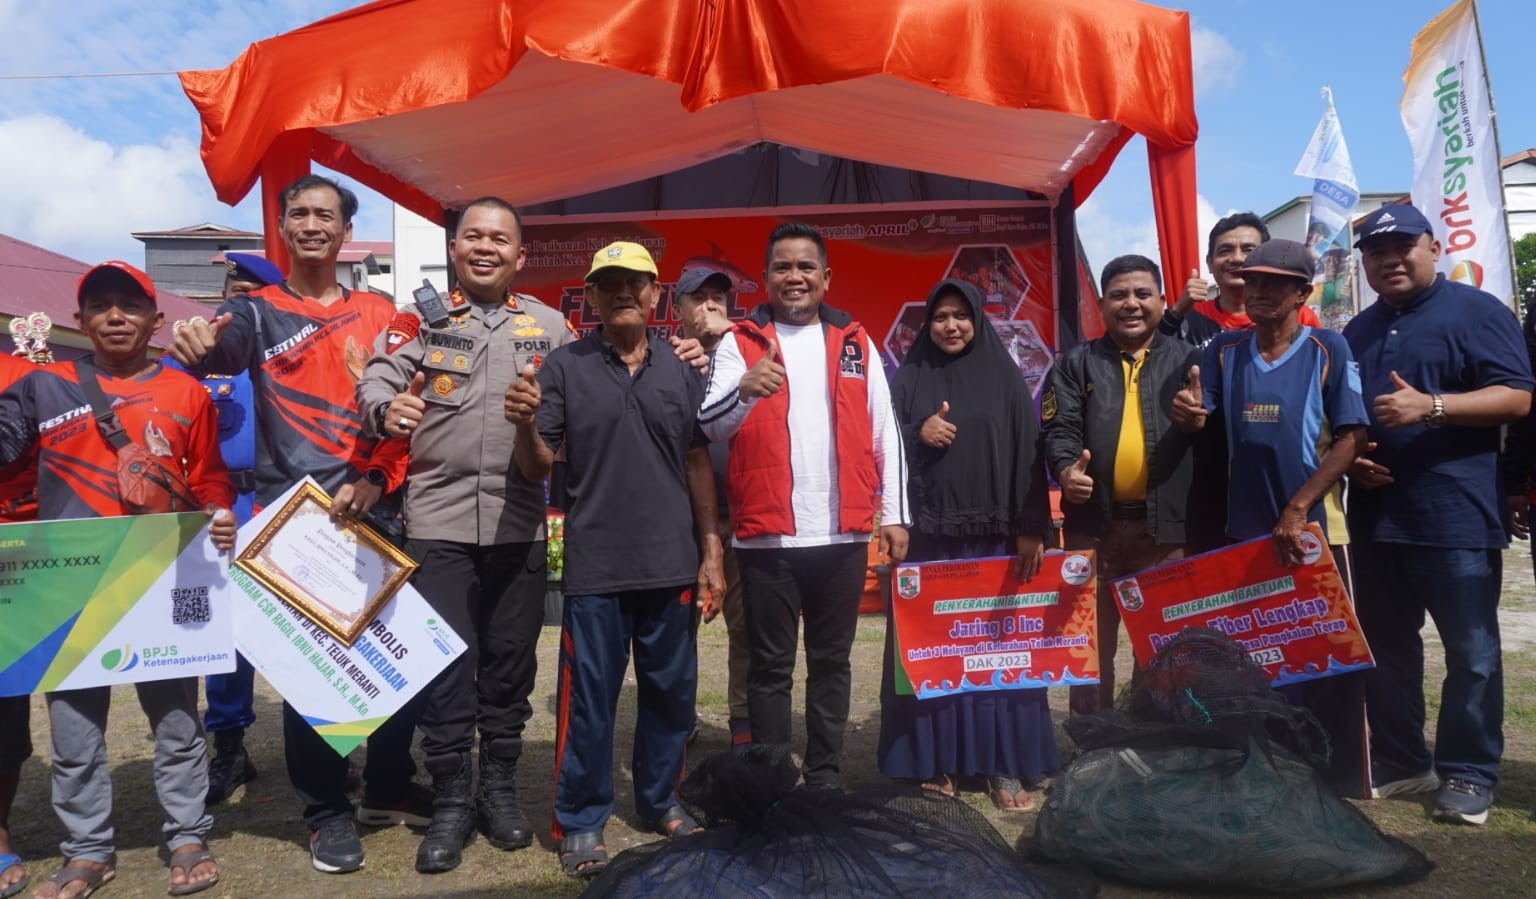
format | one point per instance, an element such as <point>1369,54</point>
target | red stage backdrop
<point>970,625</point>
<point>1297,622</point>
<point>883,262</point>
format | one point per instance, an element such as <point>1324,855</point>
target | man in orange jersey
<point>169,421</point>
<point>305,342</point>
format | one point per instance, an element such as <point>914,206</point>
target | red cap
<point>104,270</point>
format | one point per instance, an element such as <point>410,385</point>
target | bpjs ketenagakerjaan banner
<point>93,602</point>
<point>971,625</point>
<point>884,262</point>
<point>1298,623</point>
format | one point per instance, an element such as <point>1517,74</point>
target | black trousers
<point>493,597</point>
<point>823,585</point>
<point>319,774</point>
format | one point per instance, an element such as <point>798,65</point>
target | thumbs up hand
<point>407,409</point>
<point>1404,407</point>
<point>193,340</point>
<point>1076,484</point>
<point>937,431</point>
<point>765,377</point>
<point>521,404</point>
<point>1195,290</point>
<point>1189,404</point>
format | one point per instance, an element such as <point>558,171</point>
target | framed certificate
<point>339,573</point>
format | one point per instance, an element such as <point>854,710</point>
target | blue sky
<point>85,161</point>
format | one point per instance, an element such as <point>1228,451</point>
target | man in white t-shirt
<point>799,391</point>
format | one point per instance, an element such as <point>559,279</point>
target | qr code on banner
<point>189,605</point>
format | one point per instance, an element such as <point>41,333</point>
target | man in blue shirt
<point>230,696</point>
<point>1444,366</point>
<point>1288,396</point>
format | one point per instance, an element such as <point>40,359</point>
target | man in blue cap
<point>230,695</point>
<point>1444,366</point>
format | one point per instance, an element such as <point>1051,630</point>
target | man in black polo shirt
<point>641,492</point>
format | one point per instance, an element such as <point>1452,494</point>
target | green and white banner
<point>344,692</point>
<point>93,602</point>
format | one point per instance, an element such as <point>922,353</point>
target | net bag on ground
<point>1203,778</point>
<point>765,839</point>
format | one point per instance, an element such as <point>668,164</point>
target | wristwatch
<point>379,413</point>
<point>1436,416</point>
<point>376,478</point>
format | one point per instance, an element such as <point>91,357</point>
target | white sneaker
<point>1426,782</point>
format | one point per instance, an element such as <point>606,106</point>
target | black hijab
<point>990,480</point>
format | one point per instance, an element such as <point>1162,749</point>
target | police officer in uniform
<point>474,523</point>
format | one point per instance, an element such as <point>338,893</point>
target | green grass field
<point>261,842</point>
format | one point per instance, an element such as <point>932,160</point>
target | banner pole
<point>1493,117</point>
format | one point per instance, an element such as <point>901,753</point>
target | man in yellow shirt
<point>1124,468</point>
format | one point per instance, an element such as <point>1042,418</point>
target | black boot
<point>502,820</point>
<point>231,765</point>
<point>453,817</point>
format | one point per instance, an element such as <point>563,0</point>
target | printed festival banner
<point>1458,182</point>
<point>94,602</point>
<point>971,625</point>
<point>345,693</point>
<point>884,261</point>
<point>1298,623</point>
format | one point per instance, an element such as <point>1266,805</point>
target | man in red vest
<point>799,391</point>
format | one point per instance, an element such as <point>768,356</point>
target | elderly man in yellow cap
<point>640,534</point>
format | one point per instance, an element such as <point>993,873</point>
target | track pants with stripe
<point>597,635</point>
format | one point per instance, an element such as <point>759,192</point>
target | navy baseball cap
<point>691,280</point>
<point>249,267</point>
<point>1398,218</point>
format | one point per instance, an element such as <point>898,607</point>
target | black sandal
<point>583,855</point>
<point>675,822</point>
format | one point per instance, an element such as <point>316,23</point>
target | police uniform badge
<point>461,362</point>
<point>443,385</point>
<point>436,357</point>
<point>1048,404</point>
<point>526,326</point>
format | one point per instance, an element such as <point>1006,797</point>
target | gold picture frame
<point>303,556</point>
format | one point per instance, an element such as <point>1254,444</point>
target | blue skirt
<point>1007,733</point>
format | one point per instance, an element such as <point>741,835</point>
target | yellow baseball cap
<point>625,255</point>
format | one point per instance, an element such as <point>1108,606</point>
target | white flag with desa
<point>1447,108</point>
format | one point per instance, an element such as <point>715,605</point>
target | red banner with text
<point>884,261</point>
<point>972,625</point>
<point>1298,623</point>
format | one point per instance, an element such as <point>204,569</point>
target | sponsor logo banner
<point>94,602</point>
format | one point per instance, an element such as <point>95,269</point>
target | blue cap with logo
<point>250,267</point>
<point>1398,218</point>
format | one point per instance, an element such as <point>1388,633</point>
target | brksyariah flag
<point>1447,109</point>
<point>1334,197</point>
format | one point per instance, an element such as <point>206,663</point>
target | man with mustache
<point>1444,367</point>
<point>1123,466</point>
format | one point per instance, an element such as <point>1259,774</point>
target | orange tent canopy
<point>436,102</point>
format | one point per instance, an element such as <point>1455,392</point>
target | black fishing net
<point>1204,778</point>
<point>766,839</point>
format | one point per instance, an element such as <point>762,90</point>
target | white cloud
<point>1105,234</point>
<point>1216,62</point>
<point>81,196</point>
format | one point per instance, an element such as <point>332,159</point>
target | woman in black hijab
<point>977,489</point>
